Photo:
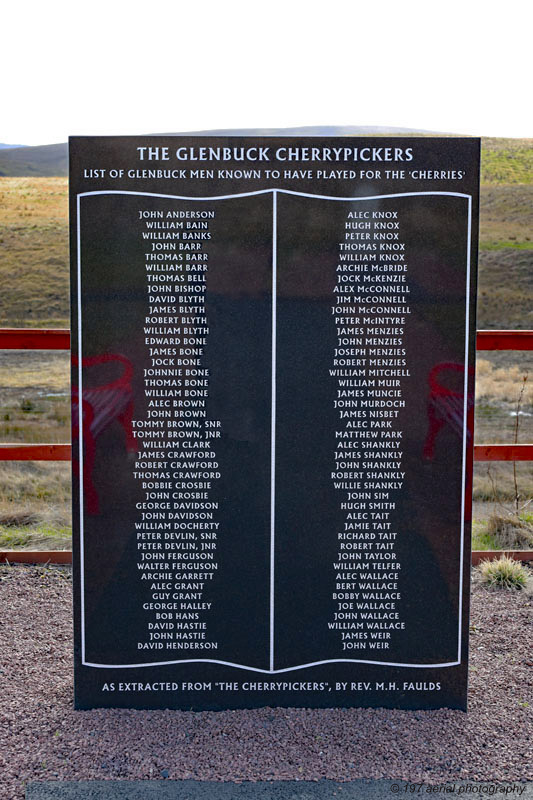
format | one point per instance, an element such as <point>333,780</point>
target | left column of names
<point>176,466</point>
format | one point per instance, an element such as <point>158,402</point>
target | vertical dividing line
<point>80,442</point>
<point>465,426</point>
<point>273,423</point>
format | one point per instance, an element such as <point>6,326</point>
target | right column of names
<point>370,370</point>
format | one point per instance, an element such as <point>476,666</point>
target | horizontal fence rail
<point>504,340</point>
<point>35,452</point>
<point>34,339</point>
<point>503,452</point>
<point>59,339</point>
<point>63,452</point>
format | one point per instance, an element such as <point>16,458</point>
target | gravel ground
<point>43,738</point>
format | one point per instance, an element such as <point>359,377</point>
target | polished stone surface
<point>322,533</point>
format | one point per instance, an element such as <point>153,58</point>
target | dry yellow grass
<point>33,200</point>
<point>506,215</point>
<point>510,531</point>
<point>494,481</point>
<point>505,573</point>
<point>502,383</point>
<point>38,489</point>
<point>35,506</point>
<point>23,370</point>
<point>34,252</point>
<point>34,397</point>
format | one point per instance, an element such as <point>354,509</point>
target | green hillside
<point>506,161</point>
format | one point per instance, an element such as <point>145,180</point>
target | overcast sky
<point>96,67</point>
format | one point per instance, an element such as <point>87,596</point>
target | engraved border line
<point>273,422</point>
<point>272,671</point>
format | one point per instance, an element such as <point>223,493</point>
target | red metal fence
<point>42,339</point>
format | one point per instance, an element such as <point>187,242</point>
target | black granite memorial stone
<point>272,363</point>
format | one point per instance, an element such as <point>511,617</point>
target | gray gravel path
<point>43,739</point>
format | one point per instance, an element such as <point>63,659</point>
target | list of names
<point>176,464</point>
<point>370,370</point>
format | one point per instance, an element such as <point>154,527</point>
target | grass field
<point>34,252</point>
<point>34,388</point>
<point>506,161</point>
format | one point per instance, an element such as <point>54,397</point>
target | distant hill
<point>307,130</point>
<point>503,160</point>
<point>4,146</point>
<point>52,159</point>
<point>42,161</point>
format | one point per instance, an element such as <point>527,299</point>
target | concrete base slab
<point>270,790</point>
